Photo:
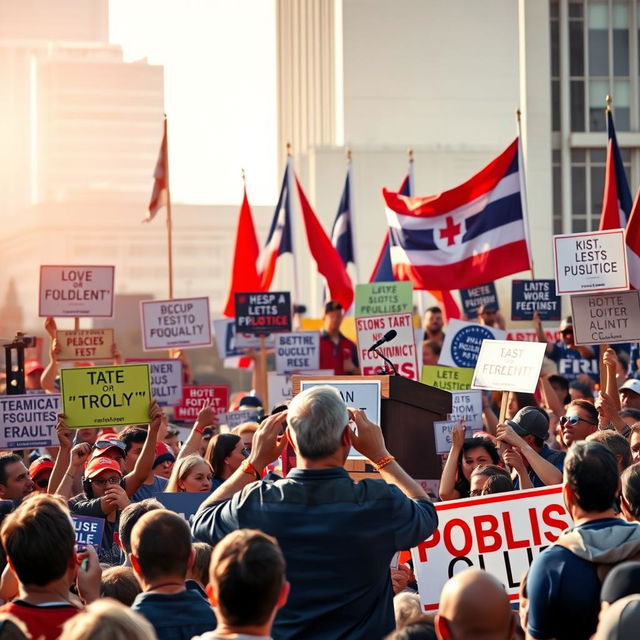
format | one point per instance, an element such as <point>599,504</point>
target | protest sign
<point>166,380</point>
<point>442,434</point>
<point>477,297</point>
<point>447,378</point>
<point>401,350</point>
<point>529,296</point>
<point>462,342</point>
<point>504,365</point>
<point>88,531</point>
<point>194,396</point>
<point>262,313</point>
<point>467,406</point>
<point>383,298</point>
<point>298,351</point>
<point>29,421</point>
<point>180,323</point>
<point>587,262</point>
<point>185,504</point>
<point>500,533</point>
<point>234,418</point>
<point>529,335</point>
<point>75,291</point>
<point>606,318</point>
<point>231,344</point>
<point>82,344</point>
<point>106,396</point>
<point>280,384</point>
<point>359,394</point>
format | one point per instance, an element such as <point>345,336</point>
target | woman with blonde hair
<point>107,619</point>
<point>190,474</point>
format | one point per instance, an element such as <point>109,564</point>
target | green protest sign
<point>106,396</point>
<point>447,378</point>
<point>383,298</point>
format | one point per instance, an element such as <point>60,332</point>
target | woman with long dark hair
<point>225,454</point>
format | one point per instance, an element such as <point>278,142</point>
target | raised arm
<point>206,418</point>
<point>448,479</point>
<point>144,464</point>
<point>79,455</point>
<point>65,438</point>
<point>50,373</point>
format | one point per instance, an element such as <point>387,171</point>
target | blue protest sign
<point>184,504</point>
<point>88,531</point>
<point>528,296</point>
<point>462,343</point>
<point>476,297</point>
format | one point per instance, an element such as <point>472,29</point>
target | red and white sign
<point>193,398</point>
<point>529,335</point>
<point>500,533</point>
<point>401,350</point>
<point>76,291</point>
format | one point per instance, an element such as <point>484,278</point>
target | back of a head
<point>620,621</point>
<point>497,484</point>
<point>631,488</point>
<point>591,472</point>
<point>107,619</point>
<point>39,539</point>
<point>120,584</point>
<point>418,627</point>
<point>131,434</point>
<point>13,629</point>
<point>5,460</point>
<point>161,541</point>
<point>247,575</point>
<point>616,443</point>
<point>406,605</point>
<point>622,581</point>
<point>318,417</point>
<point>130,515</point>
<point>200,568</point>
<point>474,604</point>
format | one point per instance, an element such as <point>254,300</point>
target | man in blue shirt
<point>338,537</point>
<point>564,580</point>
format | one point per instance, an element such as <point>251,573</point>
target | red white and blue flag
<point>616,201</point>
<point>461,238</point>
<point>342,230</point>
<point>632,238</point>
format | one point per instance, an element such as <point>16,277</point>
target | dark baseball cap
<point>332,305</point>
<point>530,421</point>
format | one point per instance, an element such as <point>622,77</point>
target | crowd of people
<point>313,553</point>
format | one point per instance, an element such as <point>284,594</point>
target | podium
<point>408,411</point>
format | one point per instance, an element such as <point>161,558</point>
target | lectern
<point>408,411</point>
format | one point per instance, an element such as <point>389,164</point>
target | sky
<point>219,58</point>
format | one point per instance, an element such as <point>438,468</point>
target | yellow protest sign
<point>447,378</point>
<point>106,396</point>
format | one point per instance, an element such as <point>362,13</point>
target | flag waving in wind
<point>160,193</point>
<point>464,237</point>
<point>342,230</point>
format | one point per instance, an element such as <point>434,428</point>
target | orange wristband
<point>248,467</point>
<point>383,462</point>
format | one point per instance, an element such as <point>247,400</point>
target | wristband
<point>383,462</point>
<point>247,467</point>
<point>198,428</point>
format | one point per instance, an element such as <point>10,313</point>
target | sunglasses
<point>101,482</point>
<point>245,452</point>
<point>573,421</point>
<point>107,444</point>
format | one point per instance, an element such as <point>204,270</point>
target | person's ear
<point>135,564</point>
<point>626,510</point>
<point>3,490</point>
<point>211,594</point>
<point>284,594</point>
<point>442,629</point>
<point>345,439</point>
<point>291,438</point>
<point>192,559</point>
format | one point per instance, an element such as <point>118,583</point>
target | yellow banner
<point>447,378</point>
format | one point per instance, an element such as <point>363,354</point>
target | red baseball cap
<point>39,465</point>
<point>98,465</point>
<point>163,454</point>
<point>32,366</point>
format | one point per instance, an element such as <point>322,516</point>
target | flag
<point>464,237</point>
<point>160,193</point>
<point>342,230</point>
<point>279,239</point>
<point>327,259</point>
<point>616,200</point>
<point>632,239</point>
<point>244,276</point>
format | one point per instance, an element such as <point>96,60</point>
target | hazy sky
<point>220,91</point>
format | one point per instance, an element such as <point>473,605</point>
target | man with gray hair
<point>338,537</point>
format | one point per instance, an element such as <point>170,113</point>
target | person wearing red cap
<point>108,446</point>
<point>40,471</point>
<point>163,463</point>
<point>32,373</point>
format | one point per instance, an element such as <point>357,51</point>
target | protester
<point>419,627</point>
<point>579,420</point>
<point>431,350</point>
<point>481,475</point>
<point>497,484</point>
<point>191,474</point>
<point>473,604</point>
<point>201,432</point>
<point>198,574</point>
<point>622,581</point>
<point>621,620</point>
<point>172,439</point>
<point>465,455</point>
<point>15,482</point>
<point>406,605</point>
<point>433,324</point>
<point>161,554</point>
<point>39,541</point>
<point>163,462</point>
<point>630,493</point>
<point>40,472</point>
<point>618,445</point>
<point>246,431</point>
<point>630,394</point>
<point>128,518</point>
<point>247,585</point>
<point>109,446</point>
<point>634,442</point>
<point>319,504</point>
<point>120,584</point>
<point>564,580</point>
<point>108,619</point>
<point>225,454</point>
<point>489,316</point>
<point>580,391</point>
<point>337,352</point>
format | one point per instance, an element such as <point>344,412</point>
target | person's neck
<point>228,630</point>
<point>582,517</point>
<point>434,335</point>
<point>165,584</point>
<point>56,591</point>
<point>330,462</point>
<point>333,334</point>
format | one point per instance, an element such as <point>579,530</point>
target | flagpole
<point>291,191</point>
<point>420,292</point>
<point>523,193</point>
<point>169,220</point>
<point>354,252</point>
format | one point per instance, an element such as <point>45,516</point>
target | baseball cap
<point>622,581</point>
<point>39,465</point>
<point>530,421</point>
<point>332,305</point>
<point>631,385</point>
<point>566,322</point>
<point>32,366</point>
<point>106,442</point>
<point>250,402</point>
<point>97,465</point>
<point>163,454</point>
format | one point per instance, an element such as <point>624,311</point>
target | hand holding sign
<point>368,440</point>
<point>207,415</point>
<point>65,435</point>
<point>457,437</point>
<point>79,455</point>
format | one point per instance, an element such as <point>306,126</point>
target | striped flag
<point>464,237</point>
<point>160,193</point>
<point>342,230</point>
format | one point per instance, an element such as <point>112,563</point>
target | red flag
<point>450,308</point>
<point>245,272</point>
<point>160,194</point>
<point>327,259</point>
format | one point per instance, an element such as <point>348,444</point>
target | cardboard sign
<point>500,533</point>
<point>467,406</point>
<point>88,531</point>
<point>194,396</point>
<point>298,351</point>
<point>359,394</point>
<point>442,434</point>
<point>505,365</point>
<point>280,385</point>
<point>29,421</point>
<point>462,343</point>
<point>383,298</point>
<point>606,318</point>
<point>261,313</point>
<point>233,418</point>
<point>476,297</point>
<point>166,380</point>
<point>588,262</point>
<point>171,324</point>
<point>106,396</point>
<point>401,350</point>
<point>447,378</point>
<point>529,296</point>
<point>76,291</point>
<point>85,344</point>
<point>185,504</point>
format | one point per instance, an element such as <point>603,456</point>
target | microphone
<point>387,337</point>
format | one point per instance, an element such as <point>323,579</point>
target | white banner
<point>298,351</point>
<point>29,421</point>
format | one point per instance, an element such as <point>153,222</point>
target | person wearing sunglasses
<point>110,447</point>
<point>40,472</point>
<point>225,453</point>
<point>579,420</point>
